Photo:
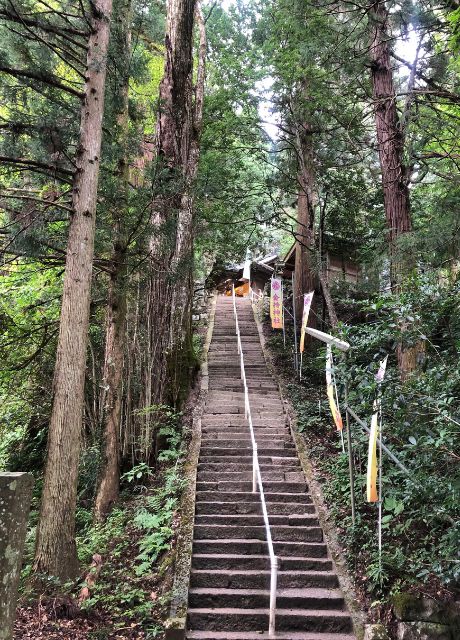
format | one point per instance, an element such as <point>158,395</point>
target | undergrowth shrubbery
<point>134,542</point>
<point>135,538</point>
<point>421,423</point>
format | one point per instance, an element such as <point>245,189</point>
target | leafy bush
<point>421,423</point>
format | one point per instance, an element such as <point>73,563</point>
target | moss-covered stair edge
<point>358,615</point>
<point>175,625</point>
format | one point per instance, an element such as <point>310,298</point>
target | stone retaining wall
<point>423,618</point>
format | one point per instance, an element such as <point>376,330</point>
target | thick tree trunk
<point>390,138</point>
<point>182,262</point>
<point>56,552</point>
<point>109,477</point>
<point>305,279</point>
<point>395,175</point>
<point>172,212</point>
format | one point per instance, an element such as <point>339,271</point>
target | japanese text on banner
<point>276,303</point>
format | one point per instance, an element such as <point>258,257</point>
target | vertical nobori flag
<point>307,300</point>
<point>247,271</point>
<point>276,304</point>
<point>331,391</point>
<point>372,493</point>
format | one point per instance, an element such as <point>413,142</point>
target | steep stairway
<point>230,577</point>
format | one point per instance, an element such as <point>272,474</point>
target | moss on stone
<point>405,604</point>
<point>375,632</point>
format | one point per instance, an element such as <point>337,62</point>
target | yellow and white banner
<point>307,300</point>
<point>372,466</point>
<point>331,391</point>
<point>276,303</point>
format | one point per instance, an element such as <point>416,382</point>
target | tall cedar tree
<point>169,301</point>
<point>395,175</point>
<point>109,476</point>
<point>56,551</point>
<point>390,137</point>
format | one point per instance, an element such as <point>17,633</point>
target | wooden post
<point>15,497</point>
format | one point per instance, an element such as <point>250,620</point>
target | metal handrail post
<point>273,588</point>
<point>254,469</point>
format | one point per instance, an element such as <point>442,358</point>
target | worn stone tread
<point>230,573</point>
<point>256,635</point>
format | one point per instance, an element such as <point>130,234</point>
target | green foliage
<point>420,425</point>
<point>155,521</point>
<point>140,472</point>
<point>133,539</point>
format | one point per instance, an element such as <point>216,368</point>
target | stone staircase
<point>230,576</point>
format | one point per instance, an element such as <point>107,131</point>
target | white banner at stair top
<point>247,271</point>
<point>276,303</point>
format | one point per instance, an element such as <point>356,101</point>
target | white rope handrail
<point>257,479</point>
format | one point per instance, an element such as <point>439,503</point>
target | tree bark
<point>305,279</point>
<point>172,218</point>
<point>182,262</point>
<point>56,551</point>
<point>109,476</point>
<point>390,138</point>
<point>395,175</point>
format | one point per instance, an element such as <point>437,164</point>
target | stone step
<point>229,467</point>
<point>235,619</point>
<point>264,635</point>
<point>245,476</point>
<point>230,452</point>
<point>260,579</point>
<point>253,381</point>
<point>254,399</point>
<point>274,508</point>
<point>229,549</point>
<point>261,436</point>
<point>279,533</point>
<point>245,442</point>
<point>216,409</point>
<point>293,520</point>
<point>245,457</point>
<point>227,447</point>
<point>232,496</point>
<point>258,598</point>
<point>233,420</point>
<point>243,562</point>
<point>229,485</point>
<point>243,432</point>
<point>234,396</point>
<point>268,390</point>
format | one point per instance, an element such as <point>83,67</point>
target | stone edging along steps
<point>230,571</point>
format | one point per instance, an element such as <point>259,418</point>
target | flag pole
<point>337,400</point>
<point>351,467</point>
<point>296,353</point>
